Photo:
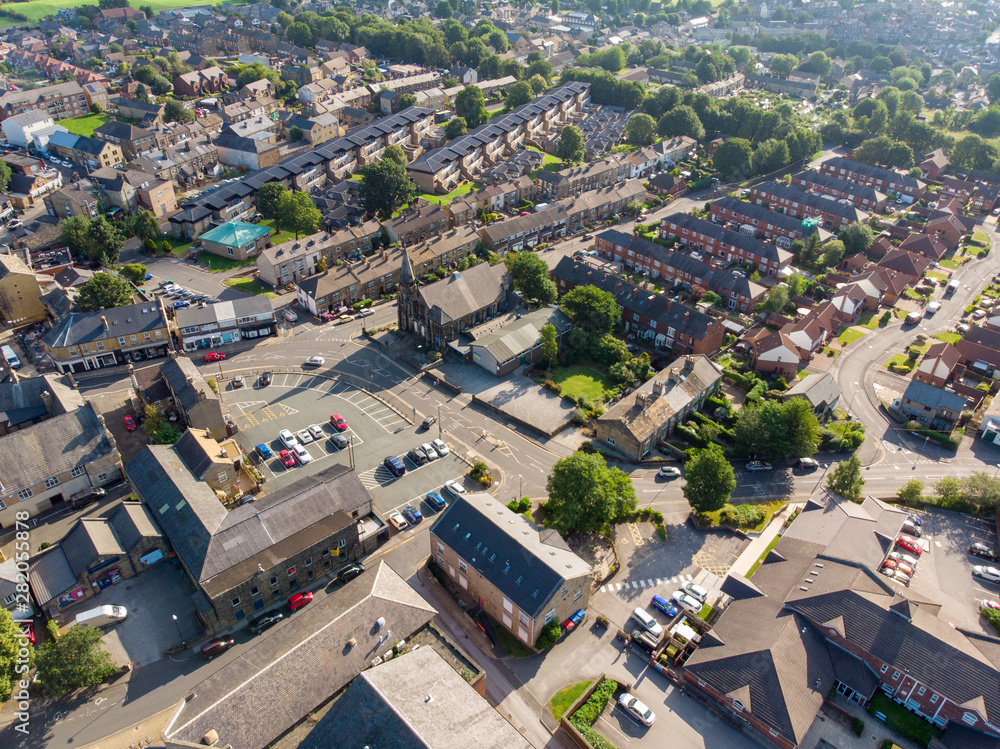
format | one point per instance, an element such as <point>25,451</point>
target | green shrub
<point>858,726</point>
<point>743,515</point>
<point>590,711</point>
<point>690,435</point>
<point>549,636</point>
<point>993,617</point>
<point>579,416</point>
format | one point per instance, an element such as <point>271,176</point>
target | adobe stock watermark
<point>22,661</point>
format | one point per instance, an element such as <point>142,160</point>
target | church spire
<point>406,272</point>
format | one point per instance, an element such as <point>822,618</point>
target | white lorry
<point>102,616</point>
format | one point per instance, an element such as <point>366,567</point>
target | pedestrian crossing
<point>647,583</point>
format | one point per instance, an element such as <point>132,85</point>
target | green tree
<point>911,492</point>
<point>776,299</point>
<point>818,62</point>
<point>298,213</point>
<point>550,343</point>
<point>5,174</point>
<point>982,490</point>
<point>443,10</point>
<point>395,153</point>
<point>268,199</point>
<point>783,64</point>
<point>993,87</point>
<point>539,67</point>
<point>11,642</point>
<point>294,134</point>
<point>538,84</point>
<point>681,120</point>
<point>134,273</point>
<point>592,310</point>
<point>154,420</point>
<point>857,238</point>
<point>732,159</point>
<point>571,146</point>
<point>802,427</point>
<point>103,291</point>
<point>471,106</point>
<point>640,130</point>
<point>586,495</point>
<point>105,242</point>
<point>948,489</point>
<point>846,480</point>
<point>519,93</point>
<point>769,156</point>
<point>75,235</point>
<point>404,101</point>
<point>175,111</point>
<point>455,128</point>
<point>141,94</point>
<point>833,253</point>
<point>880,64</point>
<point>709,479</point>
<point>554,6</point>
<point>145,226</point>
<point>776,429</point>
<point>73,661</point>
<point>530,275</point>
<point>385,186</point>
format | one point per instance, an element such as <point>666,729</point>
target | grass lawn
<point>457,192</point>
<point>547,158</point>
<point>771,507</point>
<point>248,286</point>
<point>900,361</point>
<point>869,320</point>
<point>976,251</point>
<point>948,263</point>
<point>85,124</point>
<point>935,275</point>
<point>277,237</point>
<point>981,237</point>
<point>563,699</point>
<point>511,645</point>
<point>178,248</point>
<point>951,338</point>
<point>902,720</point>
<point>218,264</point>
<point>763,556</point>
<point>849,336</point>
<point>899,313</point>
<point>579,380</point>
<point>36,11</point>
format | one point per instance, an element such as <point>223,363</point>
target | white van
<point>952,287</point>
<point>102,616</point>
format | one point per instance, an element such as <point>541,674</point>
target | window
<point>121,341</point>
<point>934,698</point>
<point>311,575</point>
<point>921,691</point>
<point>9,600</point>
<point>291,571</point>
<point>523,618</point>
<point>78,471</point>
<point>254,591</point>
<point>229,250</point>
<point>895,675</point>
<point>969,718</point>
<point>462,566</point>
<point>274,580</point>
<point>49,483</point>
<point>102,477</point>
<point>236,602</point>
<point>440,547</point>
<point>25,494</point>
<point>578,595</point>
<point>884,669</point>
<point>549,616</point>
<point>508,606</point>
<point>100,346</point>
<point>463,581</point>
<point>611,440</point>
<point>565,591</point>
<point>222,477</point>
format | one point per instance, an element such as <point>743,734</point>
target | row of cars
<point>901,562</point>
<point>411,515</point>
<point>294,453</point>
<point>183,297</point>
<point>690,599</point>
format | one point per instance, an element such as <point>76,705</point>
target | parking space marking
<point>636,536</point>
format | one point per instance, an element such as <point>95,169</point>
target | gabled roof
<point>902,261</point>
<point>88,327</point>
<point>933,397</point>
<point>816,388</point>
<point>462,293</point>
<point>523,334</point>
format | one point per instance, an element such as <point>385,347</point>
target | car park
<point>894,575</point>
<point>301,454</point>
<point>668,472</point>
<point>338,423</point>
<point>265,621</point>
<point>758,465</point>
<point>646,620</point>
<point>263,451</point>
<point>429,451</point>
<point>635,708</point>
<point>574,620</point>
<point>910,545</point>
<point>216,646</point>
<point>435,501</point>
<point>428,422</point>
<point>349,571</point>
<point>299,600</point>
<point>304,436</point>
<point>130,424</point>
<point>397,521</point>
<point>316,432</point>
<point>686,601</point>
<point>265,379</point>
<point>395,465</point>
<point>440,447</point>
<point>417,456</point>
<point>984,551</point>
<point>237,382</point>
<point>454,488</point>
<point>901,557</point>
<point>986,604</point>
<point>340,441</point>
<point>286,459</point>
<point>695,590</point>
<point>287,438</point>
<point>910,530</point>
<point>915,519</point>
<point>990,574</point>
<point>661,603</point>
<point>413,515</point>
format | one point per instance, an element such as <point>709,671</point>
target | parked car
<point>350,571</point>
<point>265,621</point>
<point>985,604</point>
<point>810,464</point>
<point>301,454</point>
<point>28,627</point>
<point>454,488</point>
<point>644,639</point>
<point>428,422</point>
<point>435,501</point>
<point>413,515</point>
<point>395,465</point>
<point>910,529</point>
<point>991,574</point>
<point>440,447</point>
<point>668,472</point>
<point>299,600</point>
<point>304,436</point>
<point>397,521</point>
<point>216,646</point>
<point>339,423</point>
<point>910,545</point>
<point>130,424</point>
<point>340,441</point>
<point>686,601</point>
<point>287,438</point>
<point>237,382</point>
<point>982,550</point>
<point>417,456</point>
<point>366,313</point>
<point>314,361</point>
<point>286,459</point>
<point>661,603</point>
<point>215,356</point>
<point>265,379</point>
<point>574,620</point>
<point>87,496</point>
<point>289,316</point>
<point>915,519</point>
<point>899,566</point>
<point>182,304</point>
<point>901,557</point>
<point>429,451</point>
<point>645,619</point>
<point>636,709</point>
<point>263,451</point>
<point>316,431</point>
<point>758,465</point>
<point>897,576</point>
<point>695,590</point>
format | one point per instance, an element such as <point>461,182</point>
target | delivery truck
<point>102,616</point>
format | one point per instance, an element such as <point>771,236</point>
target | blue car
<point>435,501</point>
<point>149,276</point>
<point>181,305</point>
<point>263,451</point>
<point>412,514</point>
<point>664,605</point>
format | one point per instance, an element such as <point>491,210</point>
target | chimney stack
<point>104,321</point>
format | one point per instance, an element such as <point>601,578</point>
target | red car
<point>299,600</point>
<point>130,424</point>
<point>286,459</point>
<point>909,544</point>
<point>29,629</point>
<point>214,356</point>
<point>338,422</point>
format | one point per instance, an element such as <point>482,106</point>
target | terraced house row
<point>724,245</point>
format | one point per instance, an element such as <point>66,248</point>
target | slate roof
<point>254,699</point>
<point>933,397</point>
<point>89,539</point>
<point>20,401</point>
<point>186,382</point>
<point>87,327</point>
<point>226,311</point>
<point>840,185</point>
<point>817,388</point>
<point>235,234</point>
<point>874,172</point>
<point>761,214</point>
<point>733,238</point>
<point>50,574</point>
<point>805,200</point>
<point>462,293</point>
<point>388,706</point>
<point>522,334</point>
<point>524,563</point>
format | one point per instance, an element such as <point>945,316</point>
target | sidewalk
<point>828,730</point>
<point>756,547</point>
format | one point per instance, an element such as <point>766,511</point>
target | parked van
<point>952,287</point>
<point>102,616</point>
<point>10,357</point>
<point>932,308</point>
<point>912,319</point>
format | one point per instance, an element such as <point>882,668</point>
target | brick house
<point>794,202</point>
<point>724,245</point>
<point>882,180</point>
<point>523,577</point>
<point>937,365</point>
<point>934,407</point>
<point>200,82</point>
<point>297,259</point>
<point>757,221</point>
<point>861,196</point>
<point>929,246</point>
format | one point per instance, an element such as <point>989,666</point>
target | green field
<point>277,237</point>
<point>579,380</point>
<point>85,124</point>
<point>36,11</point>
<point>249,286</point>
<point>217,264</point>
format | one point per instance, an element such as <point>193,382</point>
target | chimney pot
<point>104,321</point>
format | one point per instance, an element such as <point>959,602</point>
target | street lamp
<point>178,625</point>
<point>520,478</point>
<point>440,427</point>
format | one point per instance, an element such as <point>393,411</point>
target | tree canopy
<point>846,479</point>
<point>385,186</point>
<point>571,145</point>
<point>709,479</point>
<point>297,213</point>
<point>591,309</point>
<point>75,660</point>
<point>11,642</point>
<point>134,273</point>
<point>103,291</point>
<point>96,239</point>
<point>640,130</point>
<point>777,429</point>
<point>732,158</point>
<point>471,106</point>
<point>531,276</point>
<point>586,495</point>
<point>455,128</point>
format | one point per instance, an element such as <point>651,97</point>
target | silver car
<point>429,451</point>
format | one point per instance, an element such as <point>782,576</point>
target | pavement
<point>829,732</point>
